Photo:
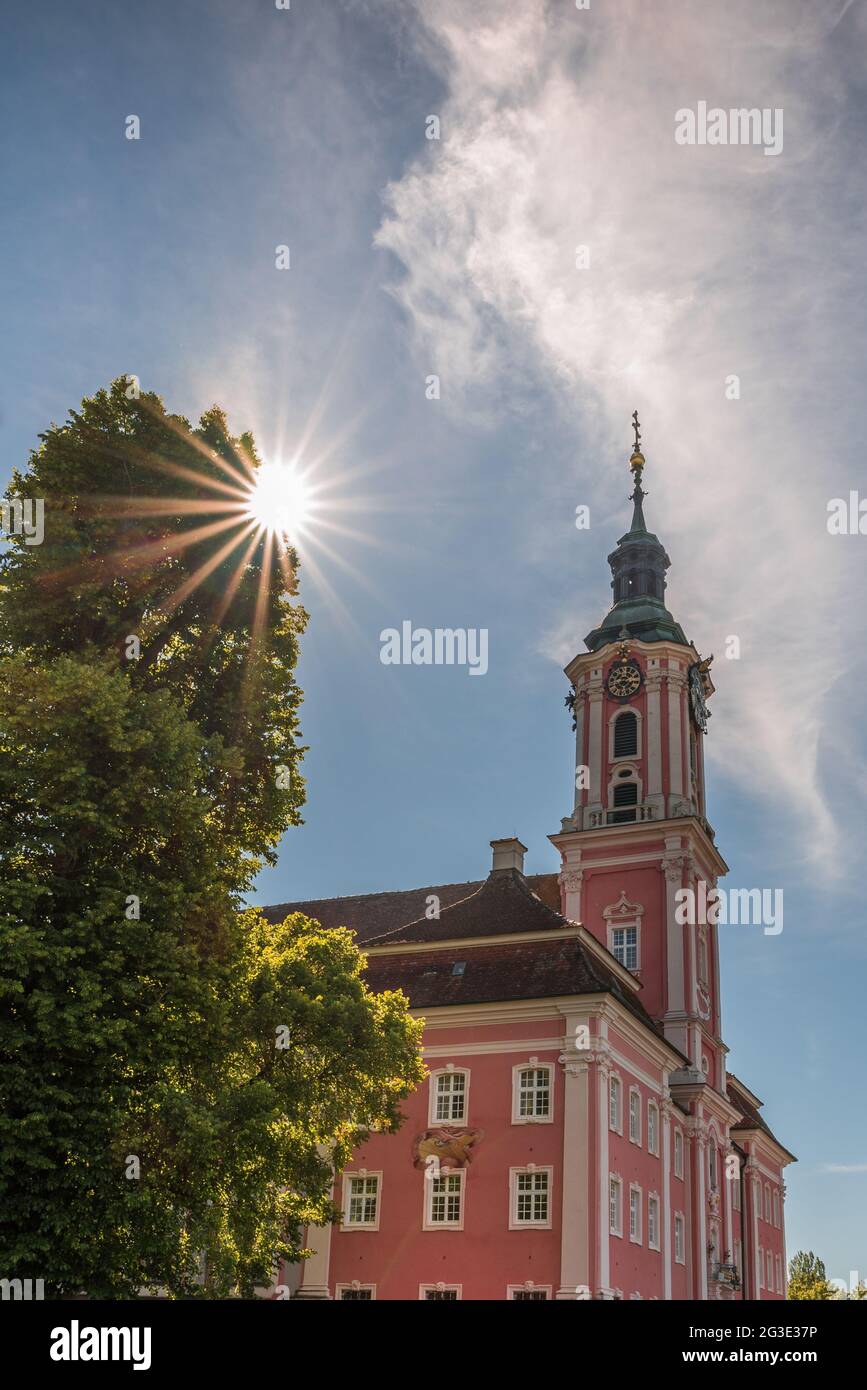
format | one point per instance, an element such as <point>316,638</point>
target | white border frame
<point>345,1223</point>
<point>427,1223</point>
<point>639,1239</point>
<point>451,1069</point>
<point>657,1244</point>
<point>636,1091</point>
<point>638,755</point>
<point>529,1287</point>
<point>522,1168</point>
<point>440,1287</point>
<point>679,1221</point>
<point>352,1286</point>
<point>615,1178</point>
<point>516,1092</point>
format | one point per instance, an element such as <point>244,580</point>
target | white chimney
<point>508,854</point>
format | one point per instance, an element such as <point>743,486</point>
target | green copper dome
<point>638,567</point>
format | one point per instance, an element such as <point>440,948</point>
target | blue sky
<point>306,127</point>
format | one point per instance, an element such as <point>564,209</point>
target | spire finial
<point>636,463</point>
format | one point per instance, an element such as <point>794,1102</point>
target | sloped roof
<point>505,902</point>
<point>748,1105</point>
<point>375,914</point>
<point>501,971</point>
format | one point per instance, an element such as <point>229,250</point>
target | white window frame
<point>360,1174</point>
<point>616,1080</point>
<point>430,1184</point>
<point>654,1202</point>
<point>635,926</point>
<point>435,1076</point>
<point>712,1165</point>
<point>529,1287</point>
<point>761,1267</point>
<point>440,1288</point>
<point>532,1065</point>
<point>530,1169</point>
<point>779,1264</point>
<point>776,1201</point>
<point>635,1095</point>
<point>679,1238</point>
<point>639,736</point>
<point>653,1110</point>
<point>677,1141</point>
<point>355,1286</point>
<point>615,1180</point>
<point>768,1204</point>
<point>635,1191</point>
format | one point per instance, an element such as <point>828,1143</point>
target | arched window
<point>626,735</point>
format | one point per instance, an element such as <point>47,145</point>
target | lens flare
<point>280,500</point>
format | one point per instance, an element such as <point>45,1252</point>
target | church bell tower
<point>638,830</point>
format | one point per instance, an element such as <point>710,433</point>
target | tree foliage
<point>178,1077</point>
<point>807,1278</point>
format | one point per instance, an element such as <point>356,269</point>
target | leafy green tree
<point>177,1076</point>
<point>807,1278</point>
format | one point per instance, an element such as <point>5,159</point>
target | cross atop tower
<point>637,429</point>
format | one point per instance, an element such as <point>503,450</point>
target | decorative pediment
<point>622,910</point>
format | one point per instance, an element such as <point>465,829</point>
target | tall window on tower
<point>626,735</point>
<point>625,798</point>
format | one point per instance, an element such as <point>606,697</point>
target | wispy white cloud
<point>558,131</point>
<point>844,1167</point>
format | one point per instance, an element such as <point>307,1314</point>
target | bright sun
<point>281,500</point>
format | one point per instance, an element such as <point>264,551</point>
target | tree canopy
<point>178,1076</point>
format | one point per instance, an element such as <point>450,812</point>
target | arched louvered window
<point>625,801</point>
<point>626,735</point>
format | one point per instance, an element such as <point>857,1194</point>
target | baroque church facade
<point>579,1135</point>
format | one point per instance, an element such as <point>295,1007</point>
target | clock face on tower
<point>624,678</point>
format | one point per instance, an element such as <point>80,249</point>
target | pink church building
<point>579,1134</point>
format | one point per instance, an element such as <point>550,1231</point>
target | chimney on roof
<point>508,854</point>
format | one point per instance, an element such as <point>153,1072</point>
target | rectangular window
<point>451,1095</point>
<point>770,1272</point>
<point>445,1199</point>
<point>776,1207</point>
<point>624,946</point>
<point>653,1222</point>
<point>431,1294</point>
<point>635,1214</point>
<point>528,1295</point>
<point>615,1214</point>
<point>652,1128</point>
<point>635,1117</point>
<point>711,1165</point>
<point>779,1275</point>
<point>531,1199</point>
<point>678,1240</point>
<point>761,1268</point>
<point>767,1204</point>
<point>678,1153</point>
<point>361,1201</point>
<point>534,1092</point>
<point>614,1103</point>
<point>346,1293</point>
